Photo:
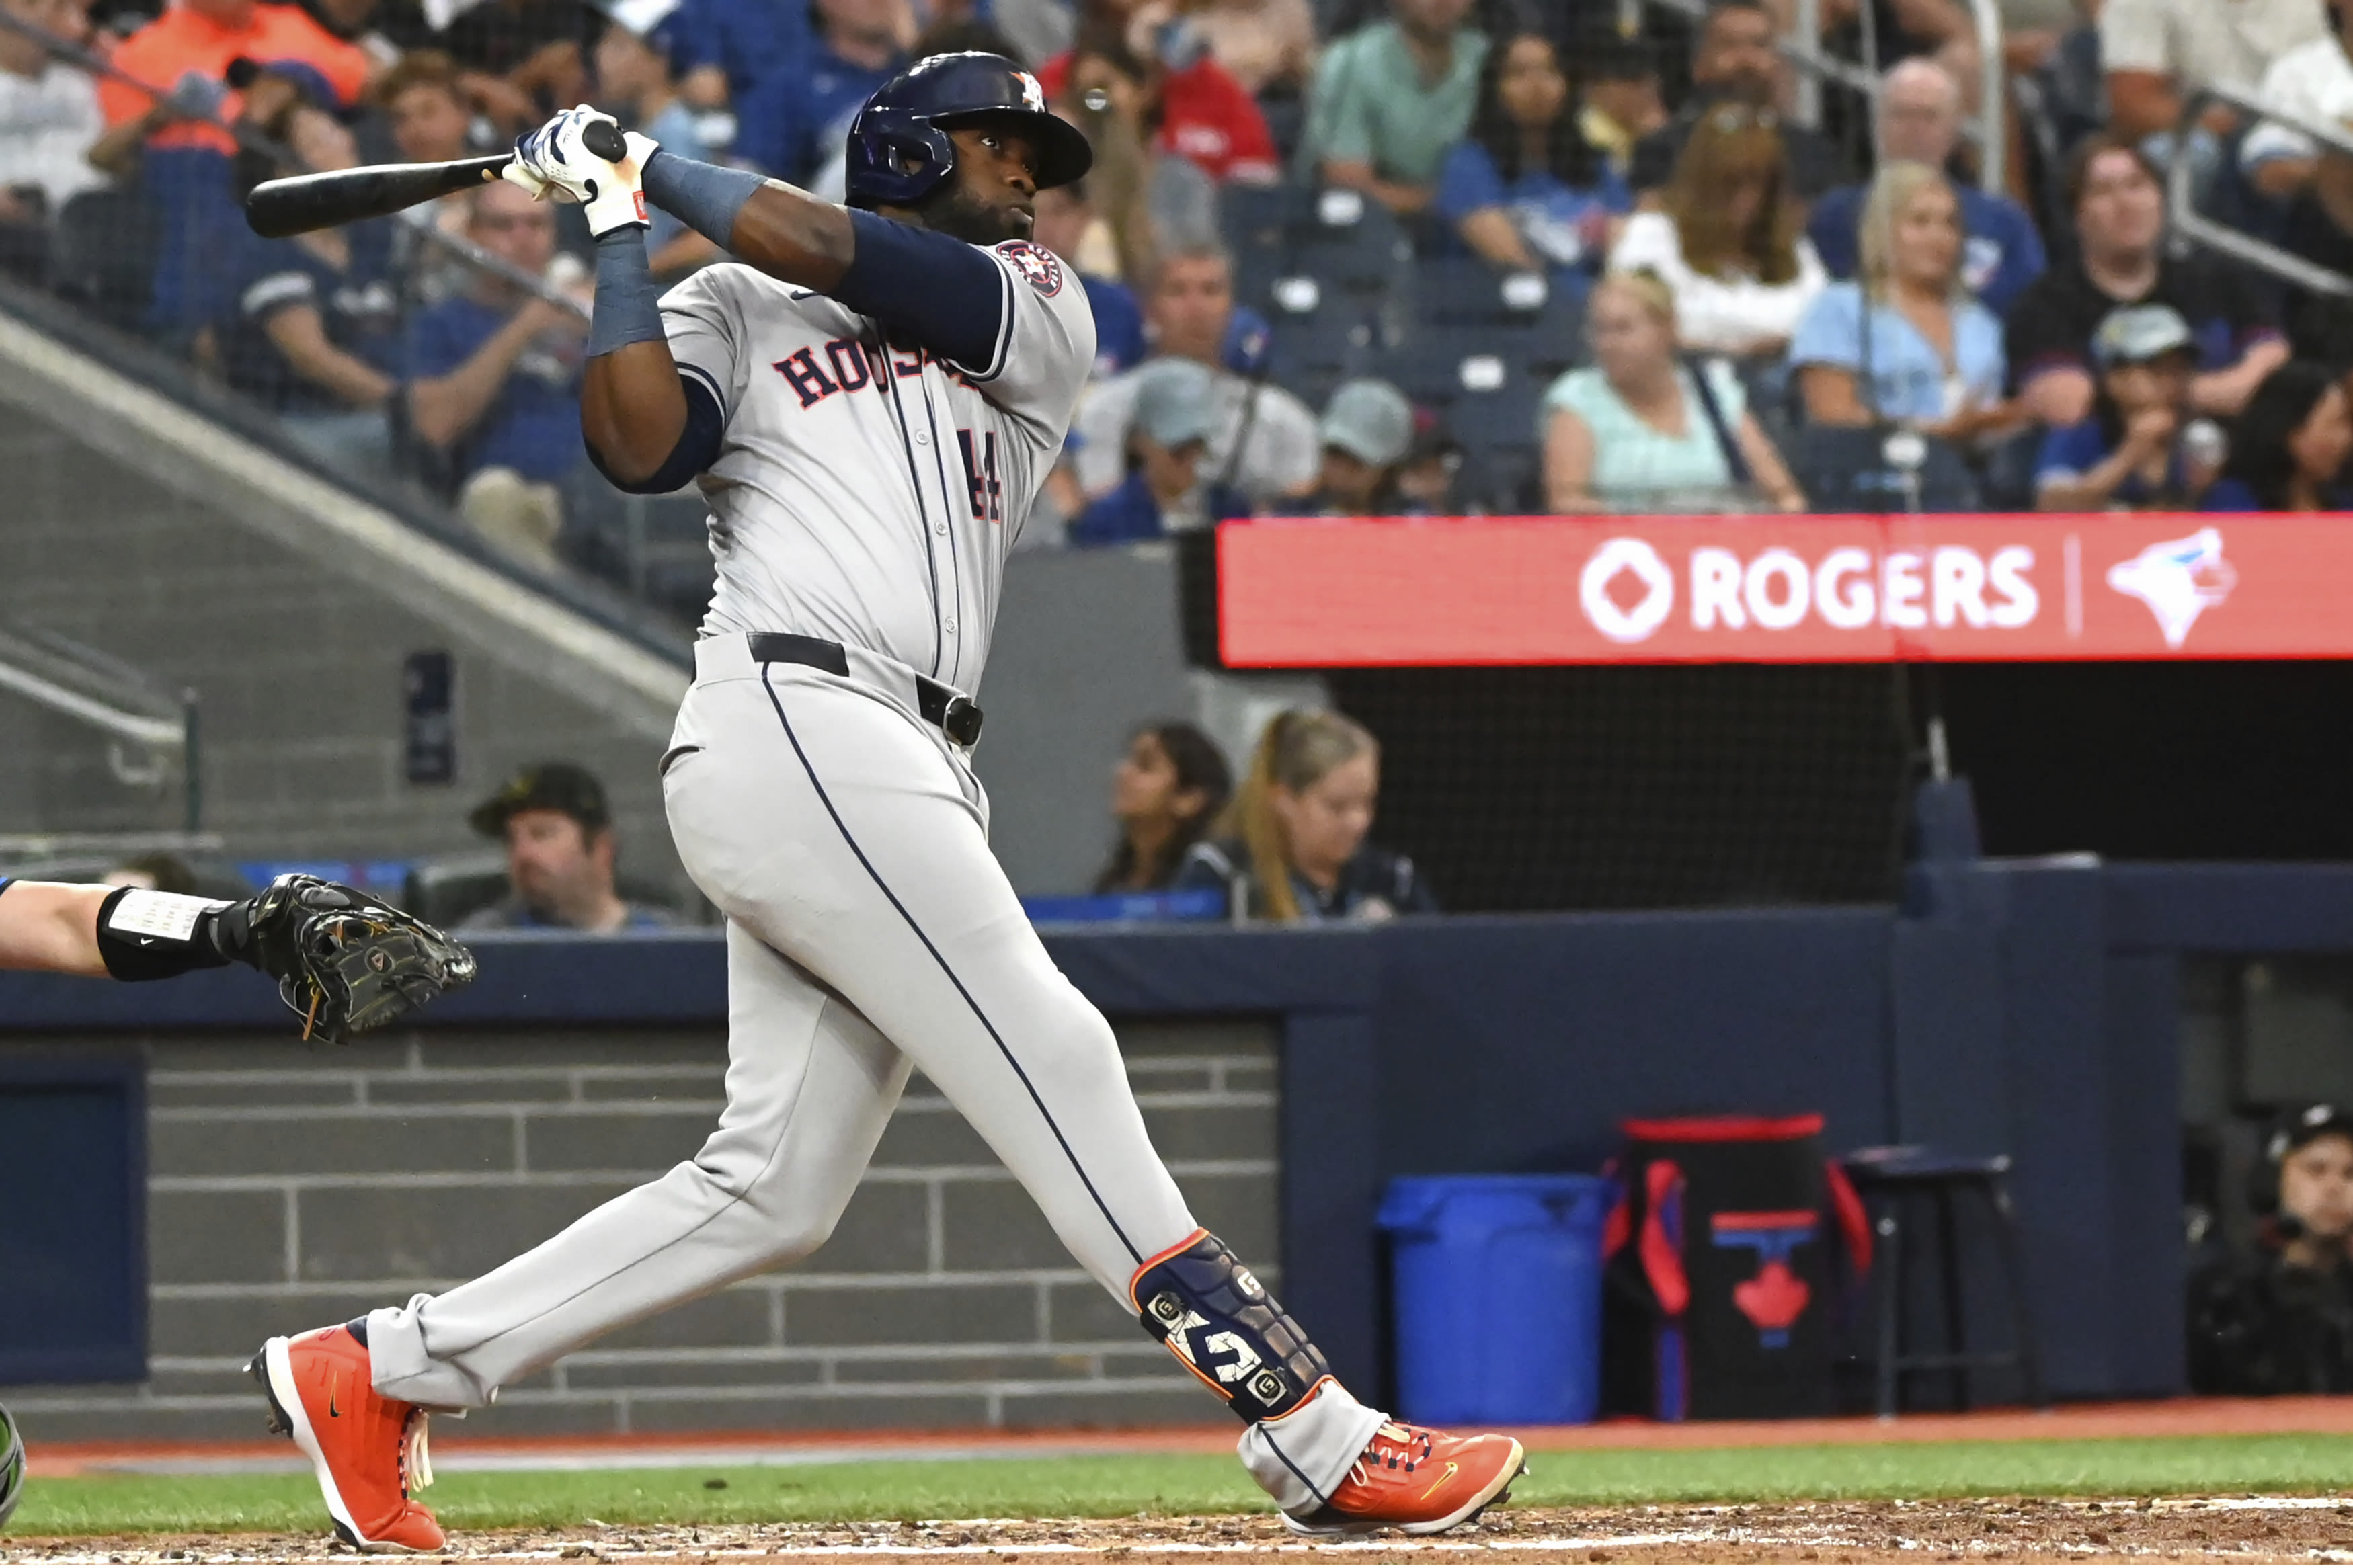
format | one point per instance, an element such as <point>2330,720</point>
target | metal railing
<point>120,704</point>
<point>2185,220</point>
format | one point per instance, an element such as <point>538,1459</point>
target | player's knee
<point>1075,1049</point>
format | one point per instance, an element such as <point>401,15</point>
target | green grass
<point>1114,1484</point>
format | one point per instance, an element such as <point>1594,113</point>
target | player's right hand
<point>552,161</point>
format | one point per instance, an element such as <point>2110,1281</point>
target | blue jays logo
<point>2178,580</point>
<point>1775,1298</point>
<point>1035,262</point>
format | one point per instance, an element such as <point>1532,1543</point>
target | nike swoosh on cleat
<point>334,1388</point>
<point>1450,1467</point>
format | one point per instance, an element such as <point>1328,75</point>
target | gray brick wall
<point>290,1189</point>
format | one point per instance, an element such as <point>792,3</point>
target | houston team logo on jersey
<point>1035,262</point>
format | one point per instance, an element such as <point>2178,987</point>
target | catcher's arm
<point>342,961</point>
<point>51,926</point>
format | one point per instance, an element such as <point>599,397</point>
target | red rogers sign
<point>1860,590</point>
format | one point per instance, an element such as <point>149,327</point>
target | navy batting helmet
<point>898,147</point>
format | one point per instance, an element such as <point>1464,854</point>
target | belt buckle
<point>960,721</point>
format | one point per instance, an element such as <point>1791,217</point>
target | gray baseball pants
<point>869,932</point>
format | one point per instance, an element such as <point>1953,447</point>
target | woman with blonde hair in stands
<point>1640,429</point>
<point>1926,354</point>
<point>1728,238</point>
<point>1293,845</point>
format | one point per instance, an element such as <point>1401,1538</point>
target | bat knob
<point>603,138</point>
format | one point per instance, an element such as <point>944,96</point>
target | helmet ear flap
<point>897,159</point>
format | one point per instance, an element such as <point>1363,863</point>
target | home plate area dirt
<point>2191,1530</point>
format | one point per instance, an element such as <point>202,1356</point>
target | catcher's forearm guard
<point>1216,1318</point>
<point>145,935</point>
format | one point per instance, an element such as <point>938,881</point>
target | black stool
<point>1895,1183</point>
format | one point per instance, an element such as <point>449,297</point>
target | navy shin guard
<point>1216,1318</point>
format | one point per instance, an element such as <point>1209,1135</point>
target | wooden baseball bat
<point>277,208</point>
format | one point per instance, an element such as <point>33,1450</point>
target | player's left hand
<point>552,161</point>
<point>343,961</point>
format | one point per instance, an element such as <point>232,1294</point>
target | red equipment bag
<point>1717,1303</point>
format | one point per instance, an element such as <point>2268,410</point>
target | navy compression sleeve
<point>948,296</point>
<point>697,448</point>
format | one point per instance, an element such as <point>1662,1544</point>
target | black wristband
<point>145,935</point>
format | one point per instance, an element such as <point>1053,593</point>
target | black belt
<point>958,717</point>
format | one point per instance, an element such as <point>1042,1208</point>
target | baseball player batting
<point>872,397</point>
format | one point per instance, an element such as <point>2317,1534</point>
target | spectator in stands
<point>558,831</point>
<point>177,139</point>
<point>1941,32</point>
<point>1293,845</point>
<point>1189,307</point>
<point>1640,425</point>
<point>1525,190</point>
<point>426,102</point>
<point>524,59</point>
<point>1727,238</point>
<point>1920,123</point>
<point>728,47</point>
<point>1149,202</point>
<point>1169,787</point>
<point>1368,432</point>
<point>794,123</point>
<point>2118,205</point>
<point>2312,82</point>
<point>1426,479</point>
<point>1392,97</point>
<point>632,61</point>
<point>1735,64</point>
<point>1619,102</point>
<point>497,387</point>
<point>1905,344</point>
<point>317,331</point>
<point>1029,31</point>
<point>2289,444</point>
<point>2281,1320</point>
<point>2159,52</point>
<point>1267,45</point>
<point>1181,99</point>
<point>1063,220</point>
<point>1172,418</point>
<point>2142,449</point>
<point>48,119</point>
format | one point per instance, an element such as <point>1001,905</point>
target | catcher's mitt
<point>343,962</point>
<point>12,1467</point>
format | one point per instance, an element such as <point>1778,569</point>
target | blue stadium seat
<point>1843,469</point>
<point>1261,218</point>
<point>1439,366</point>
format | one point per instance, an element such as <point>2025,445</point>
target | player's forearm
<point>785,233</point>
<point>51,926</point>
<point>632,406</point>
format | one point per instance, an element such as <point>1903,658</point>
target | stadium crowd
<point>1347,256</point>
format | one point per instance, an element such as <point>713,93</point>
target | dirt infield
<point>2209,1529</point>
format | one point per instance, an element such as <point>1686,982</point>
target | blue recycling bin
<point>1498,1297</point>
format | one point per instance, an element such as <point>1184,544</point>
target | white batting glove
<point>552,161</point>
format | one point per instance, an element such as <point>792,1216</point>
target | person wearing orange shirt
<point>178,130</point>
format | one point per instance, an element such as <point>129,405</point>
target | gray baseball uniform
<point>866,495</point>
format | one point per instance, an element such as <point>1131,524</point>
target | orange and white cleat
<point>1420,1482</point>
<point>368,1451</point>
